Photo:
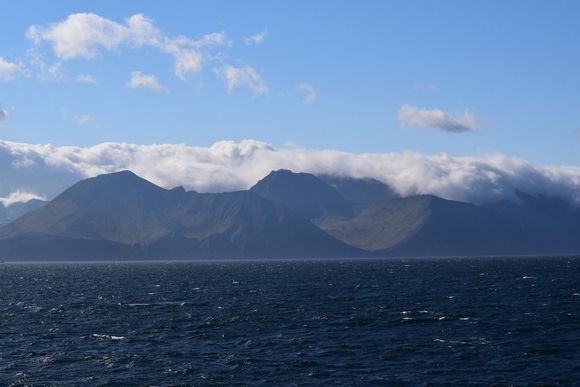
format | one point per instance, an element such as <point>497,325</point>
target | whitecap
<point>109,337</point>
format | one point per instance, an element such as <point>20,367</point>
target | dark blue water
<point>436,321</point>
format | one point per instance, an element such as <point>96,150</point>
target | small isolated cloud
<point>243,76</point>
<point>19,197</point>
<point>255,39</point>
<point>84,119</point>
<point>86,78</point>
<point>214,39</point>
<point>143,81</point>
<point>428,88</point>
<point>3,114</point>
<point>412,116</point>
<point>9,70</point>
<point>309,93</point>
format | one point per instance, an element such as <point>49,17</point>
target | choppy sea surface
<point>352,322</point>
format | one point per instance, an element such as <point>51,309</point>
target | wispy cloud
<point>86,78</point>
<point>310,96</point>
<point>84,119</point>
<point>9,70</point>
<point>143,81</point>
<point>3,114</point>
<point>428,88</point>
<point>19,197</point>
<point>247,76</point>
<point>255,39</point>
<point>412,116</point>
<point>215,39</point>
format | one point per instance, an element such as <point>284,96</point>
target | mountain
<point>359,190</point>
<point>303,193</point>
<point>122,216</point>
<point>555,221</point>
<point>367,214</point>
<point>16,210</point>
<point>429,226</point>
<point>285,215</point>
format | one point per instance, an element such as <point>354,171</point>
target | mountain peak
<point>302,192</point>
<point>111,186</point>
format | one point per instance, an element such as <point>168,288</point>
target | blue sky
<point>474,77</point>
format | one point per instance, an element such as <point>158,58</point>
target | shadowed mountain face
<point>16,210</point>
<point>303,193</point>
<point>360,191</point>
<point>121,216</point>
<point>555,221</point>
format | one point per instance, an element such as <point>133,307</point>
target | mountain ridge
<point>284,215</point>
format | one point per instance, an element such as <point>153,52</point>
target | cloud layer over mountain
<point>228,165</point>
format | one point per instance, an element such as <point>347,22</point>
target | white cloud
<point>243,76</point>
<point>187,61</point>
<point>85,35</point>
<point>19,197</point>
<point>44,70</point>
<point>84,119</point>
<point>214,39</point>
<point>9,70</point>
<point>3,114</point>
<point>412,116</point>
<point>310,94</point>
<point>80,35</point>
<point>86,78</point>
<point>428,88</point>
<point>229,165</point>
<point>256,39</point>
<point>143,81</point>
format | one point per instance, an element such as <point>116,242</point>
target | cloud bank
<point>412,116</point>
<point>229,165</point>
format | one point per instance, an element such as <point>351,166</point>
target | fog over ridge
<point>228,165</point>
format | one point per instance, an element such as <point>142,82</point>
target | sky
<point>455,80</point>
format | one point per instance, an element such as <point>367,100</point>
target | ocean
<point>318,322</point>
